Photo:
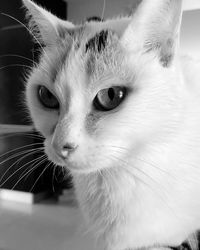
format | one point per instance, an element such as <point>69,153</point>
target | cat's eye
<point>47,99</point>
<point>110,98</point>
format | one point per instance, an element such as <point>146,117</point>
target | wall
<point>15,44</point>
<point>80,10</point>
<point>190,32</point>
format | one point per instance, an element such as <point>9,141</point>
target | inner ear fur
<point>155,26</point>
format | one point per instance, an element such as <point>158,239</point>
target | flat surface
<point>45,226</point>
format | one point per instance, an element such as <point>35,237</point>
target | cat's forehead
<point>89,29</point>
<point>93,47</point>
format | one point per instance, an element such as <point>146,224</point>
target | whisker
<point>63,170</point>
<point>102,175</point>
<point>15,65</point>
<point>36,39</point>
<point>103,10</point>
<point>126,166</point>
<point>16,155</point>
<point>41,160</point>
<point>125,163</point>
<point>142,160</point>
<point>26,58</point>
<point>19,148</point>
<point>32,163</point>
<point>34,168</point>
<point>27,173</point>
<point>36,135</point>
<point>26,152</point>
<point>33,136</point>
<point>47,166</point>
<point>53,177</point>
<point>30,133</point>
<point>19,56</point>
<point>156,167</point>
<point>113,146</point>
<point>140,170</point>
<point>10,176</point>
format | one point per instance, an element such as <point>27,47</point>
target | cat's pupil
<point>111,93</point>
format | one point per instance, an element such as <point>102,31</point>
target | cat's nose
<point>65,150</point>
<point>70,147</point>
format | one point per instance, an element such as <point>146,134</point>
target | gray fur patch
<point>98,42</point>
<point>165,49</point>
<point>102,54</point>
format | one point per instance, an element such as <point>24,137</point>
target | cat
<point>119,107</point>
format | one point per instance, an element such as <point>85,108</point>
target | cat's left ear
<point>46,27</point>
<point>155,26</point>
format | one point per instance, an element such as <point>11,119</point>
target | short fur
<point>136,169</point>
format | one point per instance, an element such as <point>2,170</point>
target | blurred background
<point>78,10</point>
<point>17,55</point>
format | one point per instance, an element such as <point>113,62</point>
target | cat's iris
<point>110,98</point>
<point>47,99</point>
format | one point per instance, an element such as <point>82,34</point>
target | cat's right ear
<point>46,27</point>
<point>155,27</point>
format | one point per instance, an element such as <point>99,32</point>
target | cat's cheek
<point>44,121</point>
<point>52,156</point>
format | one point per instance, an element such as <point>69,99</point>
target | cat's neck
<point>140,195</point>
<point>101,196</point>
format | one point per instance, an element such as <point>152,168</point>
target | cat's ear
<point>46,27</point>
<point>155,26</point>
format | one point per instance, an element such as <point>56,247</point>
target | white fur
<point>136,170</point>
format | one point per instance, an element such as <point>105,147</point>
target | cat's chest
<point>105,191</point>
<point>117,205</point>
<point>105,200</point>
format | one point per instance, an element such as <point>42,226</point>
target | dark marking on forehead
<point>101,51</point>
<point>98,42</point>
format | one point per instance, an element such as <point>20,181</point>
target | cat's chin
<point>73,167</point>
<point>81,171</point>
<point>79,168</point>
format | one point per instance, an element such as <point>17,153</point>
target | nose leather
<point>67,149</point>
<point>64,151</point>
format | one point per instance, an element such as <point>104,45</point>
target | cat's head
<point>104,90</point>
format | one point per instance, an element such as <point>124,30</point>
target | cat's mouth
<point>75,167</point>
<point>70,162</point>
